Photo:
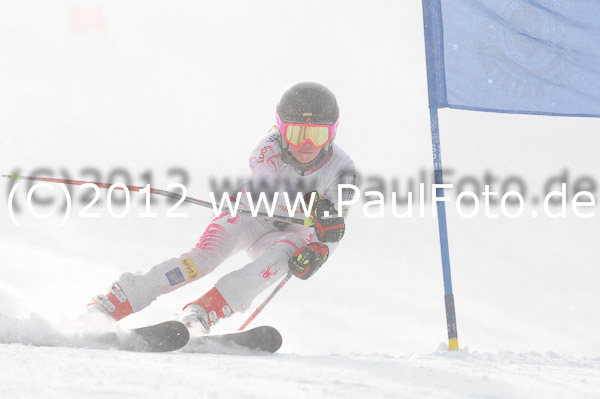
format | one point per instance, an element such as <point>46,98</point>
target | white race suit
<point>269,244</point>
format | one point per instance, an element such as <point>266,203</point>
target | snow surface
<point>151,86</point>
<point>77,373</point>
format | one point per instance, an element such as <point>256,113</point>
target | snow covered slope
<point>94,89</point>
<point>69,373</point>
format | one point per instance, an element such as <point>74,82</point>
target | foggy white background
<point>149,85</point>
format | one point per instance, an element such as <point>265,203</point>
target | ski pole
<point>266,301</point>
<point>164,193</point>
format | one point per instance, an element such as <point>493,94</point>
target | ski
<point>163,337</point>
<point>259,340</point>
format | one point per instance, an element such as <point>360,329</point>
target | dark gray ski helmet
<point>307,102</point>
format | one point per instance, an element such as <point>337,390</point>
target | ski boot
<point>205,312</point>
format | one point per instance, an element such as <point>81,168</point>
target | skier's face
<point>306,153</point>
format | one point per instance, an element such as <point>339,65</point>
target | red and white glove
<point>308,259</point>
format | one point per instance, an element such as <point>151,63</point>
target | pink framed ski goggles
<point>296,134</point>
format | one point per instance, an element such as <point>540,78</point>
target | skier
<point>296,156</point>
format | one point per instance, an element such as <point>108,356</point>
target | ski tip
<point>256,341</point>
<point>270,339</point>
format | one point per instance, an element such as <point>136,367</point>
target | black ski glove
<point>328,228</point>
<point>308,259</point>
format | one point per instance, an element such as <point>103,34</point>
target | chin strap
<point>306,168</point>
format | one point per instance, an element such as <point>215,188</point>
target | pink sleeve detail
<point>265,158</point>
<point>272,162</point>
